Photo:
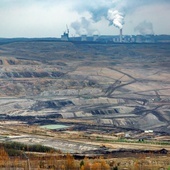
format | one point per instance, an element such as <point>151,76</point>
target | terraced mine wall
<point>119,85</point>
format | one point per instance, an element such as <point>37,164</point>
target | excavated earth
<point>123,86</point>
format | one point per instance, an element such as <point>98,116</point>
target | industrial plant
<point>147,38</point>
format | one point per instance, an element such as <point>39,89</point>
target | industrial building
<point>116,38</point>
<point>65,36</point>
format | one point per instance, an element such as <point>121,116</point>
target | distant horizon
<point>82,35</point>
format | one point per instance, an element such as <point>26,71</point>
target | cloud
<point>112,10</point>
<point>144,28</point>
<point>34,19</point>
<point>37,18</point>
<point>83,26</point>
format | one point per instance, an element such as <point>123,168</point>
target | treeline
<point>16,148</point>
<point>14,155</point>
<point>17,155</point>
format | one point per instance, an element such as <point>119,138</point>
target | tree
<point>96,166</point>
<point>104,164</point>
<point>69,163</point>
<point>81,163</point>
<point>86,164</point>
<point>4,158</point>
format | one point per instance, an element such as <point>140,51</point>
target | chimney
<point>121,35</point>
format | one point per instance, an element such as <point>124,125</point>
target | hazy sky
<point>48,18</point>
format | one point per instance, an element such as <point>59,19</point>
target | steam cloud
<point>83,26</point>
<point>116,18</point>
<point>99,9</point>
<point>113,11</point>
<point>144,28</point>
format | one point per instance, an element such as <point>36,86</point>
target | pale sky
<point>48,18</point>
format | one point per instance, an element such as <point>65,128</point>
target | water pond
<point>54,126</point>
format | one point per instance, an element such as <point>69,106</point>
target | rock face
<point>110,84</point>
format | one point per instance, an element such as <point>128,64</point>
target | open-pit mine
<point>85,97</point>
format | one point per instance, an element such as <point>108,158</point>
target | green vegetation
<point>134,141</point>
<point>15,148</point>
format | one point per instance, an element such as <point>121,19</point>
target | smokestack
<point>121,35</point>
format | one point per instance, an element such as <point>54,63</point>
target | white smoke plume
<point>83,26</point>
<point>116,18</point>
<point>144,28</point>
<point>113,11</point>
<point>98,10</point>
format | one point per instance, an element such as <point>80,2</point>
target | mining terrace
<point>98,91</point>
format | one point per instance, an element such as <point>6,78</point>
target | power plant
<point>110,38</point>
<point>115,18</point>
<point>120,38</point>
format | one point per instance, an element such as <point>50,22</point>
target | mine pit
<point>93,99</point>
